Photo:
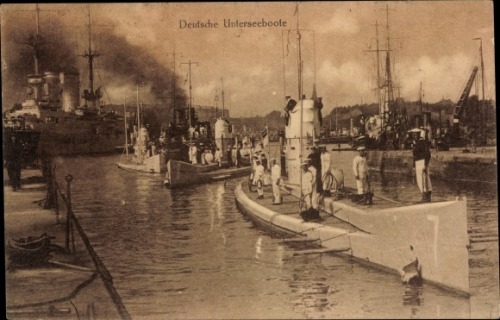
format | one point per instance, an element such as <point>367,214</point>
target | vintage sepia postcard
<point>258,160</point>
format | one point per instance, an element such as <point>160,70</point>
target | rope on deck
<point>337,236</point>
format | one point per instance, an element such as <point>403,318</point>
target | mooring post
<point>69,178</point>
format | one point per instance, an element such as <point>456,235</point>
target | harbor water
<point>190,254</point>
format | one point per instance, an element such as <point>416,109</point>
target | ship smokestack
<point>51,90</point>
<point>35,83</point>
<point>70,87</point>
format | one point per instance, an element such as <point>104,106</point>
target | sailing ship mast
<point>387,115</point>
<point>379,85</point>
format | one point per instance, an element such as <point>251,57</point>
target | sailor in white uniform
<point>275,180</point>
<point>360,169</point>
<point>258,179</point>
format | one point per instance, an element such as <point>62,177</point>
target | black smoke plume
<point>60,50</point>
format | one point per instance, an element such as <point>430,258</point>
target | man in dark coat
<point>421,159</point>
<point>13,161</point>
<point>315,158</point>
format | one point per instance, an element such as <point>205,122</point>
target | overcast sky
<point>432,44</point>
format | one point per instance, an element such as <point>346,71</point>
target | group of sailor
<point>318,176</point>
<point>197,132</point>
<point>262,175</point>
<point>265,173</point>
<point>315,180</point>
<point>204,155</point>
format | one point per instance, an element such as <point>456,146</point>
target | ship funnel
<point>51,89</point>
<point>35,82</point>
<point>70,87</point>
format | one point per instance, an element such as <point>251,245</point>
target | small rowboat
<point>29,250</point>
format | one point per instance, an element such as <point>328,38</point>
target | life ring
<point>230,128</point>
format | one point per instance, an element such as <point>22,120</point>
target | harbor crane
<point>460,107</point>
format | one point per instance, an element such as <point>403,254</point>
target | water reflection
<point>143,194</point>
<point>312,288</point>
<point>215,201</point>
<point>412,298</point>
<point>176,255</point>
<point>258,247</point>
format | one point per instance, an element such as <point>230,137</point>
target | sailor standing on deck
<point>421,159</point>
<point>238,156</point>
<point>315,160</point>
<point>326,163</point>
<point>218,157</point>
<point>229,155</point>
<point>193,152</point>
<point>251,178</point>
<point>307,184</point>
<point>275,180</point>
<point>360,168</point>
<point>314,194</point>
<point>258,179</point>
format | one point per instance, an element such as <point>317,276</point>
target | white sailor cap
<point>361,148</point>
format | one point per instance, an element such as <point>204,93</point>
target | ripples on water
<point>191,254</point>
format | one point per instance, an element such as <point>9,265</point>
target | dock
<point>455,164</point>
<point>72,283</point>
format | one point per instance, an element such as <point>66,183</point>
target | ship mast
<point>174,85</point>
<point>299,89</point>
<point>379,85</point>
<point>222,95</point>
<point>389,89</point>
<point>190,90</point>
<point>420,94</point>
<point>36,43</point>
<point>91,96</point>
<point>138,110</point>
